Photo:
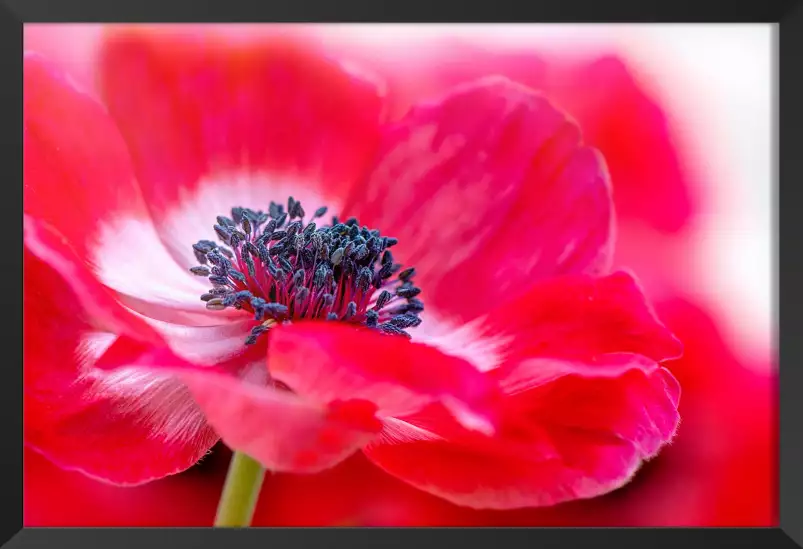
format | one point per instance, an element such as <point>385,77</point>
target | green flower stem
<point>240,493</point>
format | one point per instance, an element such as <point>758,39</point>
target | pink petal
<point>219,348</point>
<point>632,129</point>
<point>487,190</point>
<point>579,317</point>
<point>579,435</point>
<point>280,430</point>
<point>125,427</point>
<point>227,122</point>
<point>71,46</point>
<point>77,171</point>
<point>326,361</point>
<point>230,383</point>
<point>222,346</point>
<point>52,249</point>
<point>611,100</point>
<point>78,176</point>
<point>619,400</point>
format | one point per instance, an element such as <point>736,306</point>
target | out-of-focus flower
<point>612,104</point>
<point>488,192</point>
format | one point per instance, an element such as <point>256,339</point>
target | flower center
<point>280,268</point>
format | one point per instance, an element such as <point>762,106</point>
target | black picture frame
<point>788,86</point>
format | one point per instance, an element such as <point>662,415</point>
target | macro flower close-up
<point>258,246</point>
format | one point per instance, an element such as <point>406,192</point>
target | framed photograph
<point>382,276</point>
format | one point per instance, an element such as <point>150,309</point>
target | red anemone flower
<point>532,377</point>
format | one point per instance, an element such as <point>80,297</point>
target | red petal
<point>222,345</point>
<point>77,170</point>
<point>327,361</point>
<point>248,121</point>
<point>613,394</point>
<point>78,176</point>
<point>578,436</point>
<point>279,429</point>
<point>70,46</point>
<point>640,144</point>
<point>53,252</point>
<point>122,427</point>
<point>611,100</point>
<point>487,190</point>
<point>579,317</point>
<point>55,497</point>
<point>282,430</point>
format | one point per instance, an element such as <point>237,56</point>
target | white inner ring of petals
<point>150,263</point>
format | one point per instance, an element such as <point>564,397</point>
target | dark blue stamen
<point>201,270</point>
<point>215,304</point>
<point>224,221</point>
<point>351,310</point>
<point>383,299</point>
<point>219,280</point>
<point>408,292</point>
<point>392,329</point>
<point>224,233</point>
<point>235,238</point>
<point>243,296</point>
<point>227,252</point>
<point>407,274</point>
<point>249,264</point>
<point>385,271</point>
<point>260,329</point>
<point>301,295</point>
<point>406,320</point>
<point>247,225</point>
<point>293,228</point>
<point>236,275</point>
<point>337,256</point>
<point>281,269</point>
